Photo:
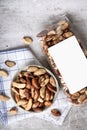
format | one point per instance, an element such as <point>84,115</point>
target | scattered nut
<point>27,40</point>
<point>3,73</point>
<point>55,112</point>
<point>13,111</point>
<point>10,63</point>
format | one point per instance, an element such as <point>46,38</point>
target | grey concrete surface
<point>28,17</point>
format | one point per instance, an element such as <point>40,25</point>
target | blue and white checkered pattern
<point>24,57</point>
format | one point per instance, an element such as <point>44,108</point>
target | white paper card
<point>71,63</point>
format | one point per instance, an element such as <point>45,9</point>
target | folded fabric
<point>24,57</point>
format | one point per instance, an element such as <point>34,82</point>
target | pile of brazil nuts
<point>51,37</point>
<point>34,89</point>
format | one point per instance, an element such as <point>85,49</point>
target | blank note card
<point>71,63</point>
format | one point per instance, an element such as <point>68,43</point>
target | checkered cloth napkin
<point>24,57</point>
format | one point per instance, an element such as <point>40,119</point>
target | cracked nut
<point>3,73</point>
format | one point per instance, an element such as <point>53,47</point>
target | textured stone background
<point>28,17</point>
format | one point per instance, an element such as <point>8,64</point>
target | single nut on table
<point>10,63</point>
<point>27,40</point>
<point>55,112</point>
<point>13,111</point>
<point>37,91</point>
<point>3,73</point>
